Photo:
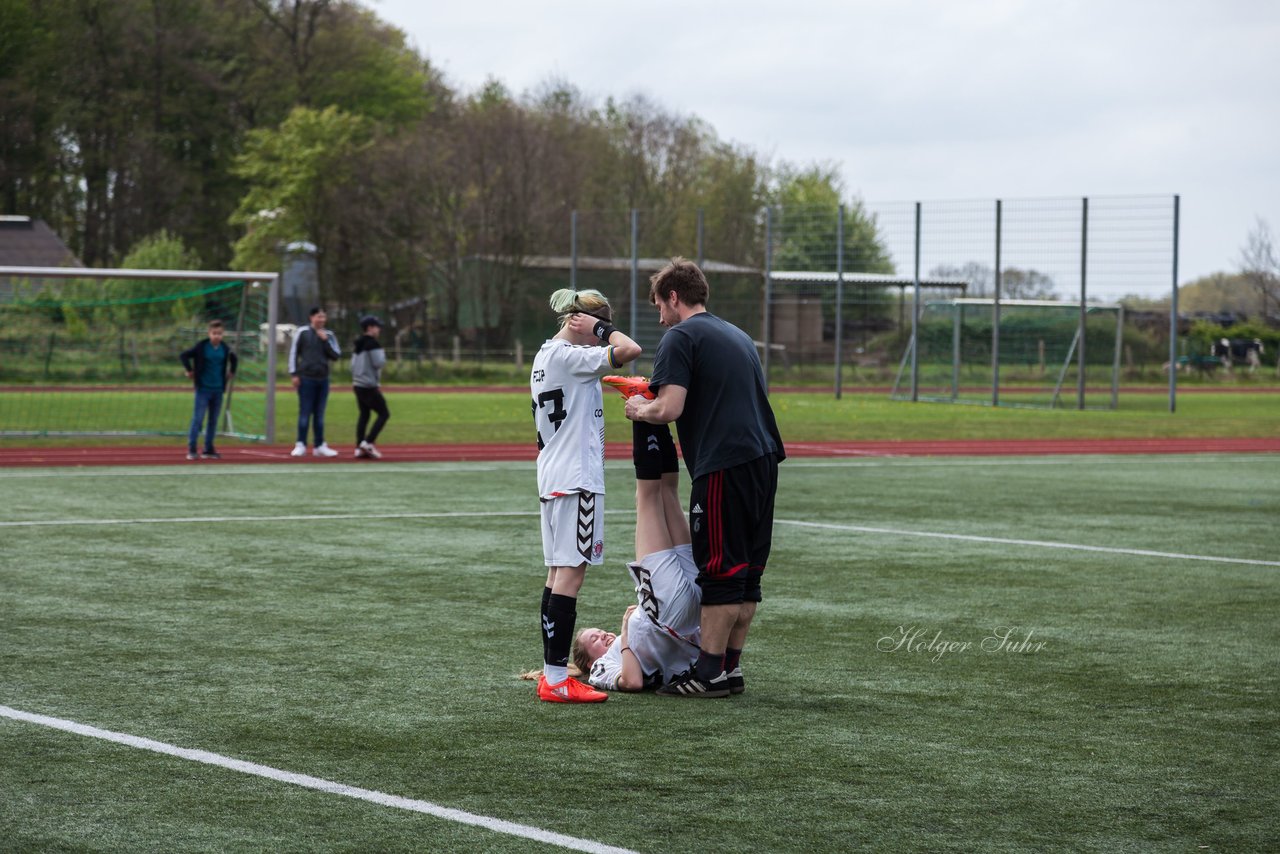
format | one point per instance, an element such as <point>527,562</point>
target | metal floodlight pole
<point>768,288</point>
<point>995,313</point>
<point>573,250</point>
<point>1084,266</point>
<point>839,299</point>
<point>1173,315</point>
<point>915,318</point>
<point>635,275</point>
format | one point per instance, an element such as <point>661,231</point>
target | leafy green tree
<point>296,176</point>
<point>807,202</point>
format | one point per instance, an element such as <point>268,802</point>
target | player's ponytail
<point>566,302</point>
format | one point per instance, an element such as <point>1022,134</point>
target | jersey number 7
<point>557,414</point>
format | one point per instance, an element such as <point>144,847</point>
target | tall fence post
<point>995,314</point>
<point>915,317</point>
<point>273,319</point>
<point>839,300</point>
<point>768,290</point>
<point>635,275</point>
<point>1173,315</point>
<point>573,250</point>
<point>702,249</point>
<point>1084,266</point>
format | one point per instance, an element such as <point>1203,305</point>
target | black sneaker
<point>688,684</point>
<point>211,455</point>
<point>736,683</point>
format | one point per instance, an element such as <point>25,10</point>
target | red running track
<point>176,455</point>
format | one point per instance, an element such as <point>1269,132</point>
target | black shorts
<point>731,520</point>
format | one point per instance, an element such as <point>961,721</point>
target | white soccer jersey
<point>568,412</point>
<point>663,631</point>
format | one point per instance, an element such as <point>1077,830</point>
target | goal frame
<point>960,303</point>
<point>272,280</point>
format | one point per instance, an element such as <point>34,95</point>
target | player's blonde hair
<point>566,302</point>
<point>579,662</point>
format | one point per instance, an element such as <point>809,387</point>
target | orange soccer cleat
<point>630,386</point>
<point>569,691</point>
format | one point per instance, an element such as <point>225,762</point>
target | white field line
<point>297,517</point>
<point>861,529</point>
<point>496,825</point>
<point>261,471</point>
<point>897,532</point>
<point>363,470</point>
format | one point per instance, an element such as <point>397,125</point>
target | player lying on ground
<point>658,638</point>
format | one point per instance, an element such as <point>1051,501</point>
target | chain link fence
<point>832,295</point>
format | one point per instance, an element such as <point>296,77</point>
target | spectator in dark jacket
<point>314,347</point>
<point>366,371</point>
<point>210,364</point>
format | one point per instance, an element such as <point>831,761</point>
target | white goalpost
<point>1040,345</point>
<point>94,351</point>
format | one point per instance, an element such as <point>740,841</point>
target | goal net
<point>87,352</point>
<point>1039,345</point>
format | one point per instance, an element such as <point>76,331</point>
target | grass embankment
<point>460,417</point>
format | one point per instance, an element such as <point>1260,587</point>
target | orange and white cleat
<point>569,691</point>
<point>630,386</point>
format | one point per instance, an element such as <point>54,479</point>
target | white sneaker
<point>370,450</point>
<point>299,450</point>
<point>359,452</point>
<point>324,451</point>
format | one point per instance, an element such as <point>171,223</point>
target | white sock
<point>555,674</point>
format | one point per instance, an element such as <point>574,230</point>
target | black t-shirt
<point>727,419</point>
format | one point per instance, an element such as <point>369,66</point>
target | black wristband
<point>603,329</point>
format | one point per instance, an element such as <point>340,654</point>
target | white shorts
<point>573,529</point>
<point>667,590</point>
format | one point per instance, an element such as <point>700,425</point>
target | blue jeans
<point>210,402</point>
<point>313,396</point>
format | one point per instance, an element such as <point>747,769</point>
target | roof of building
<point>27,242</point>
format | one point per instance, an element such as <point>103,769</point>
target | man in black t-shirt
<point>708,379</point>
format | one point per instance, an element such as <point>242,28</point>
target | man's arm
<point>665,408</point>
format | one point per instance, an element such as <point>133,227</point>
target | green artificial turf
<point>381,651</point>
<point>459,417</point>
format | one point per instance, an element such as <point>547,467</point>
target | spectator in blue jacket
<point>210,364</point>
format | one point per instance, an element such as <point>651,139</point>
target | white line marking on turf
<point>496,825</point>
<point>312,517</point>
<point>250,469</point>
<point>363,470</point>
<point>1014,542</point>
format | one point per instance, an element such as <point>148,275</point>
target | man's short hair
<point>314,310</point>
<point>681,277</point>
<point>215,324</point>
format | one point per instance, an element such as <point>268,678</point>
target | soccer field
<point>1013,654</point>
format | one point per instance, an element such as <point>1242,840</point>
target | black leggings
<point>370,400</point>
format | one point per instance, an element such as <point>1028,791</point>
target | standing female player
<point>568,412</point>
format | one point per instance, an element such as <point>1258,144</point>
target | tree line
<point>236,126</point>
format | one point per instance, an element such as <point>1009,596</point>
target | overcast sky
<point>928,100</point>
